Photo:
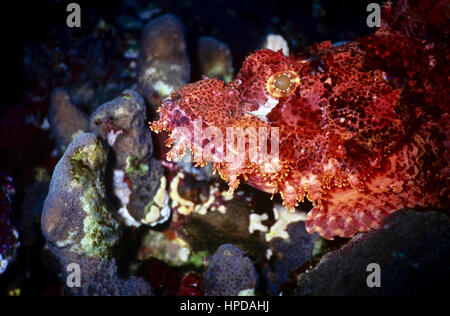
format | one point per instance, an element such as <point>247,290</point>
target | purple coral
<point>230,273</point>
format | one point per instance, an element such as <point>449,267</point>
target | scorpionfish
<point>362,126</point>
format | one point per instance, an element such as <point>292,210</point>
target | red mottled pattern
<point>363,135</point>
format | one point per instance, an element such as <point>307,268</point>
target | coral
<point>138,180</point>
<point>66,120</point>
<point>408,264</point>
<point>9,237</point>
<point>163,64</point>
<point>78,224</point>
<point>230,273</point>
<point>275,42</point>
<point>76,213</point>
<point>166,247</point>
<point>100,277</point>
<point>362,126</point>
<point>288,254</point>
<point>222,219</point>
<point>121,123</point>
<point>283,218</point>
<point>214,58</point>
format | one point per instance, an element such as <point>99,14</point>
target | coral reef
<point>226,223</point>
<point>138,180</point>
<point>230,273</point>
<point>77,221</point>
<point>362,132</point>
<point>76,214</point>
<point>163,64</point>
<point>275,42</point>
<point>66,120</point>
<point>100,277</point>
<point>214,58</point>
<point>401,249</point>
<point>287,255</point>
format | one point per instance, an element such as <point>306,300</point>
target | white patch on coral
<point>203,208</point>
<point>3,264</point>
<point>121,188</point>
<point>150,71</point>
<point>184,254</point>
<point>112,137</point>
<point>256,223</point>
<point>77,133</point>
<point>285,218</point>
<point>175,67</point>
<point>222,209</point>
<point>276,42</point>
<point>269,253</point>
<point>276,213</point>
<point>123,193</point>
<point>159,210</point>
<point>227,196</point>
<point>247,292</point>
<point>186,207</point>
<point>164,214</point>
<point>163,88</point>
<point>129,220</point>
<point>68,241</point>
<point>45,125</point>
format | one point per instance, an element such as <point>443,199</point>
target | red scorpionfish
<point>363,126</point>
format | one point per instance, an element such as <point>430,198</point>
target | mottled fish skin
<point>363,126</point>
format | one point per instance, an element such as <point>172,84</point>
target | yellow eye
<point>282,83</point>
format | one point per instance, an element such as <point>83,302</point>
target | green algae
<point>133,167</point>
<point>99,227</point>
<point>197,258</point>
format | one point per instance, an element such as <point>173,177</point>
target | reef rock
<point>210,211</point>
<point>78,224</point>
<point>214,58</point>
<point>230,273</point>
<point>76,213</point>
<point>275,42</point>
<point>100,277</point>
<point>408,264</point>
<point>138,180</point>
<point>122,123</point>
<point>163,63</point>
<point>66,120</point>
<point>286,255</point>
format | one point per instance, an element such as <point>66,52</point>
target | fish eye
<point>282,83</point>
